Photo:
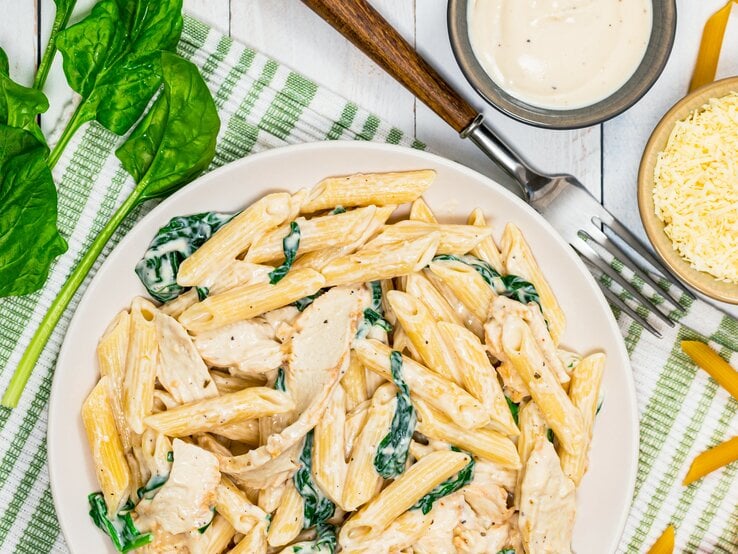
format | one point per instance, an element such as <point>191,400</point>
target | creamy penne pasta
<point>323,377</point>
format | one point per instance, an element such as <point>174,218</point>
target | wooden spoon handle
<point>360,23</point>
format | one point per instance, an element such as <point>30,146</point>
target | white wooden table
<point>604,157</point>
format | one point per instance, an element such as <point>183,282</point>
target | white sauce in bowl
<point>560,54</point>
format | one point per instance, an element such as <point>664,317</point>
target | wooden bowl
<point>703,282</point>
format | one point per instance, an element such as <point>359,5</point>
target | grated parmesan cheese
<point>695,189</point>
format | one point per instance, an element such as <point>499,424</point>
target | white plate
<point>605,494</point>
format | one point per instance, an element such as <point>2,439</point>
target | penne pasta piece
<point>466,284</point>
<point>230,383</point>
<point>402,494</point>
<point>479,378</point>
<point>270,497</point>
<point>584,392</point>
<point>365,189</point>
<point>111,359</point>
<point>455,239</point>
<point>203,266</point>
<point>717,368</point>
<point>422,331</point>
<point>318,259</point>
<point>558,410</point>
<point>420,211</point>
<point>665,543</point>
<point>246,432</point>
<point>218,535</point>
<point>181,370</point>
<point>418,286</point>
<point>287,521</point>
<point>392,260</point>
<point>362,479</point>
<point>486,249</point>
<point>444,395</point>
<point>254,542</point>
<point>355,420</point>
<point>236,508</point>
<point>177,306</point>
<point>108,455</point>
<point>532,428</point>
<point>329,465</point>
<point>354,384</point>
<point>210,414</point>
<point>327,231</point>
<point>484,443</point>
<point>519,261</point>
<point>400,535</point>
<point>140,376</point>
<point>468,319</point>
<point>712,459</point>
<point>247,301</point>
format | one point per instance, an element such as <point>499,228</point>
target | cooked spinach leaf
<point>121,529</point>
<point>170,456</point>
<point>290,244</point>
<point>506,551</point>
<point>392,452</point>
<point>450,485</point>
<point>204,528</point>
<point>511,286</point>
<point>374,315</point>
<point>175,141</point>
<point>303,303</point>
<point>279,381</point>
<point>318,508</point>
<point>29,238</point>
<point>550,435</point>
<point>174,243</point>
<point>202,293</point>
<point>64,9</point>
<point>514,409</point>
<point>19,105</point>
<point>112,59</point>
<point>324,543</point>
<point>153,485</point>
<point>338,210</point>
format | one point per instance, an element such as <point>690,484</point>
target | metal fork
<point>581,220</point>
<point>561,199</point>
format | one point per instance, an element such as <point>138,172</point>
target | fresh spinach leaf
<point>393,449</point>
<point>64,9</point>
<point>19,105</point>
<point>175,141</point>
<point>318,508</point>
<point>4,63</point>
<point>112,59</point>
<point>121,530</point>
<point>182,149</point>
<point>324,543</point>
<point>29,238</point>
<point>174,243</point>
<point>514,409</point>
<point>374,315</point>
<point>450,485</point>
<point>290,244</point>
<point>304,302</point>
<point>510,286</point>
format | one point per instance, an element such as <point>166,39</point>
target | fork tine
<point>631,240</point>
<point>584,249</point>
<point>605,242</point>
<point>620,303</point>
<point>615,299</point>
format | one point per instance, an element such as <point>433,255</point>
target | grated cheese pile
<point>696,188</point>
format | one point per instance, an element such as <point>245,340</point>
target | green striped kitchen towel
<point>265,105</point>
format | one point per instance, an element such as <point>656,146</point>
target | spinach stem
<point>60,22</point>
<point>74,123</point>
<point>76,278</point>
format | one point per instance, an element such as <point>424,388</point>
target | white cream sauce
<point>560,54</point>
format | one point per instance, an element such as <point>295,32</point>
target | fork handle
<point>360,23</point>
